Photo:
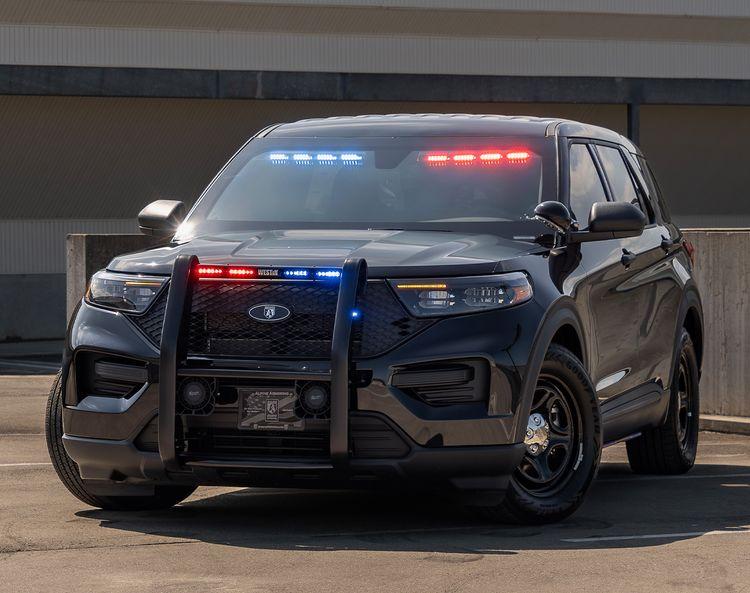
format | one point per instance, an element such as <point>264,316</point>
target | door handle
<point>667,243</point>
<point>628,257</point>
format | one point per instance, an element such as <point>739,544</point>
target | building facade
<point>106,105</point>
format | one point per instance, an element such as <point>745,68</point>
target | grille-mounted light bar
<point>224,272</point>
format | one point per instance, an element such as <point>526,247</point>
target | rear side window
<point>620,181</point>
<point>585,184</point>
<point>653,189</point>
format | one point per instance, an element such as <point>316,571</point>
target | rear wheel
<point>563,446</point>
<point>671,448</point>
<point>67,470</point>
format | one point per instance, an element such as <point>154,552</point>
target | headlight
<point>125,292</point>
<point>426,297</point>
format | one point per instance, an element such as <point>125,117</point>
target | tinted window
<point>405,182</point>
<point>618,175</point>
<point>585,184</point>
<point>653,188</point>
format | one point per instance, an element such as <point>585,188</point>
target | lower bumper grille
<point>228,443</point>
<point>371,437</point>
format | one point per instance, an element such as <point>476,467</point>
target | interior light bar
<point>486,157</point>
<point>321,158</point>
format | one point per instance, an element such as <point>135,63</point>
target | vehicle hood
<point>387,252</point>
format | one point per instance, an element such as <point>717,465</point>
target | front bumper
<point>471,447</point>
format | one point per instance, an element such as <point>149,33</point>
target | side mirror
<point>611,220</point>
<point>161,218</point>
<point>555,215</point>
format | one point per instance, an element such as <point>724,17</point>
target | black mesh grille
<point>385,323</point>
<point>219,324</point>
<point>151,321</point>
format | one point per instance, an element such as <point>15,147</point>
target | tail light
<point>689,249</point>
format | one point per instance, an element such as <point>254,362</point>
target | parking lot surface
<point>634,533</point>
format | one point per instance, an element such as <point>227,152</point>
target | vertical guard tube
<point>353,276</point>
<point>170,344</point>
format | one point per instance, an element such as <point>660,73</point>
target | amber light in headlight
<point>454,296</point>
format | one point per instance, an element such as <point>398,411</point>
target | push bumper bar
<point>353,279</point>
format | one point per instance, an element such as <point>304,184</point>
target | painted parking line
<point>680,477</point>
<point>622,538</point>
<point>21,434</point>
<point>24,464</point>
<point>36,366</point>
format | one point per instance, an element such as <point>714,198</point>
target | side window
<point>620,181</point>
<point>585,184</point>
<point>653,188</point>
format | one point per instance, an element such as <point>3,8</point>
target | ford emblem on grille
<point>268,312</point>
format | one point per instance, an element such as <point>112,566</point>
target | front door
<point>610,299</point>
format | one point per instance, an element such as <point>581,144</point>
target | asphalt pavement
<point>634,533</point>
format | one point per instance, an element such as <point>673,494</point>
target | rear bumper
<point>106,464</point>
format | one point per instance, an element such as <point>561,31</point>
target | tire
<point>530,499</point>
<point>67,470</point>
<point>671,448</point>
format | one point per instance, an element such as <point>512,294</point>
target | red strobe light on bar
<point>488,156</point>
<point>491,157</point>
<point>236,272</point>
<point>436,159</point>
<point>518,156</point>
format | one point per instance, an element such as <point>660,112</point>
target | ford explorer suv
<point>478,304</point>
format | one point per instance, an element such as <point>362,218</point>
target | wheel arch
<point>691,319</point>
<point>560,325</point>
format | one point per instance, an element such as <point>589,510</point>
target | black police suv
<point>477,302</point>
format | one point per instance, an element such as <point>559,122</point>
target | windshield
<point>406,183</point>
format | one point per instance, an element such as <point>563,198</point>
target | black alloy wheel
<point>555,420</point>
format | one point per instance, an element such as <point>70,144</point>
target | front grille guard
<point>353,279</point>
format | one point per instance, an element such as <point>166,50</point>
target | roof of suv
<point>438,124</point>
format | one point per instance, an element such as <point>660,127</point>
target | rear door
<point>652,283</point>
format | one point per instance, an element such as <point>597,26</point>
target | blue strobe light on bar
<point>296,273</point>
<point>328,274</point>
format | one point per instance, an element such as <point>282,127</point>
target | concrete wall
<point>700,40</point>
<point>32,307</point>
<point>699,155</point>
<point>723,275</point>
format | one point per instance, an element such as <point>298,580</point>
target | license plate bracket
<point>268,408</point>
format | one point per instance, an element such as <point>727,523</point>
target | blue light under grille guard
<point>436,297</point>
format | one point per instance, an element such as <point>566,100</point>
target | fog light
<point>315,400</point>
<point>196,396</point>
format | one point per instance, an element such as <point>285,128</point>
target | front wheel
<point>563,446</point>
<point>67,470</point>
<point>671,448</point>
